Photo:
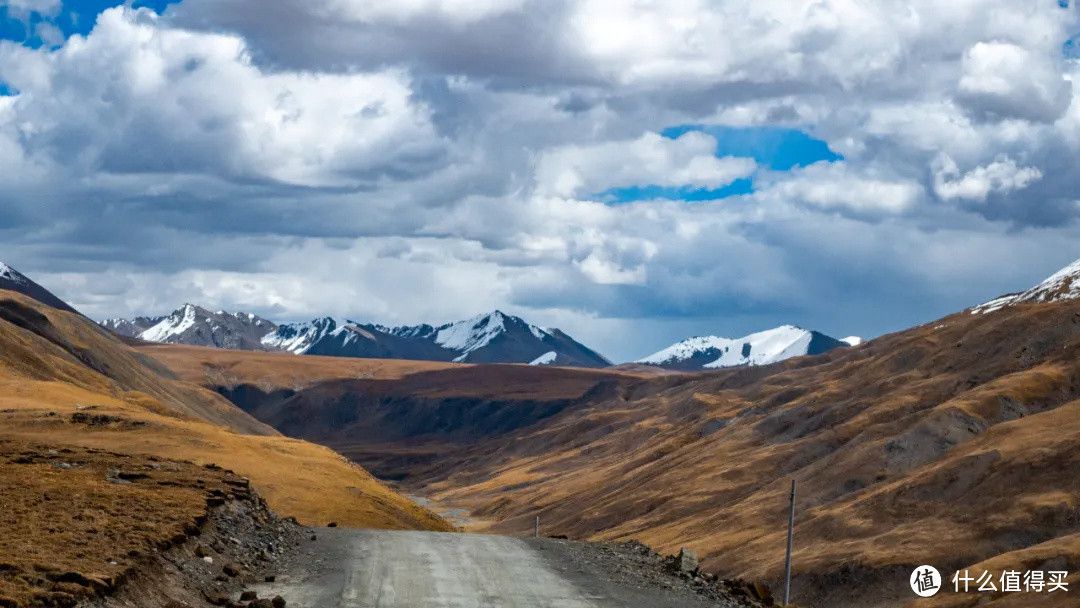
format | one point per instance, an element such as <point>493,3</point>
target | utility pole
<point>536,530</point>
<point>787,563</point>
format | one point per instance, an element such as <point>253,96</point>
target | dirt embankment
<point>96,528</point>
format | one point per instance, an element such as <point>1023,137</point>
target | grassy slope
<point>52,369</point>
<point>948,444</point>
<point>221,367</point>
<point>951,444</point>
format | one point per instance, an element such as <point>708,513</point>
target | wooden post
<point>536,530</point>
<point>787,563</point>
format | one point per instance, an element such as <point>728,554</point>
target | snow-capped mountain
<point>13,280</point>
<point>131,328</point>
<point>1062,285</point>
<point>762,348</point>
<point>197,326</point>
<point>489,338</point>
<point>853,340</point>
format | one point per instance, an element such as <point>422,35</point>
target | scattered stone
<point>208,559</point>
<point>278,602</point>
<point>270,578</point>
<point>686,562</point>
<point>313,537</point>
<point>233,569</point>
<point>248,596</point>
<point>218,599</point>
<point>332,524</point>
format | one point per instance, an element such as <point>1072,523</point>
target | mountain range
<point>493,337</point>
<point>488,338</point>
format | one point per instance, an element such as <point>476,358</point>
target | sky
<point>633,172</point>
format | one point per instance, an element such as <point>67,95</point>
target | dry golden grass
<point>952,444</point>
<point>57,368</point>
<point>68,531</point>
<point>271,371</point>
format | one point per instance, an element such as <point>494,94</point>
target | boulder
<point>686,561</point>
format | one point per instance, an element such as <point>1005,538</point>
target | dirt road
<point>378,569</point>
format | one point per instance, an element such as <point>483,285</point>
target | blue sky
<point>773,148</point>
<point>73,17</point>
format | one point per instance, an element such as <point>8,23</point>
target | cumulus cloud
<point>689,160</point>
<point>1002,175</point>
<point>836,186</point>
<point>426,159</point>
<point>134,97</point>
<point>1006,80</point>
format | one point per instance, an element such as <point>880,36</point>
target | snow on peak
<point>475,333</point>
<point>1062,285</point>
<point>9,273</point>
<point>298,338</point>
<point>471,334</point>
<point>853,340</point>
<point>545,359</point>
<point>173,325</point>
<point>761,348</point>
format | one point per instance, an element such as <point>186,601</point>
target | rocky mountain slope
<point>762,348</point>
<point>13,280</point>
<point>945,444</point>
<point>197,326</point>
<point>131,328</point>
<point>1061,286</point>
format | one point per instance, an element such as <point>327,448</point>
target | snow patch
<point>1062,285</point>
<point>9,273</point>
<point>762,348</point>
<point>173,325</point>
<point>853,340</point>
<point>545,359</point>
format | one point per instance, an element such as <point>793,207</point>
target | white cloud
<point>426,159</point>
<point>1002,175</point>
<point>689,160</point>
<point>1009,81</point>
<point>134,97</point>
<point>837,186</point>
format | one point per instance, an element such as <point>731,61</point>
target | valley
<point>958,430</point>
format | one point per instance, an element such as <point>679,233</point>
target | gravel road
<point>380,569</point>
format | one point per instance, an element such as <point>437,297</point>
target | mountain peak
<point>760,348</point>
<point>9,273</point>
<point>13,280</point>
<point>195,325</point>
<point>1062,285</point>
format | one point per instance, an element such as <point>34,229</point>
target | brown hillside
<point>951,444</point>
<point>272,371</point>
<point>67,386</point>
